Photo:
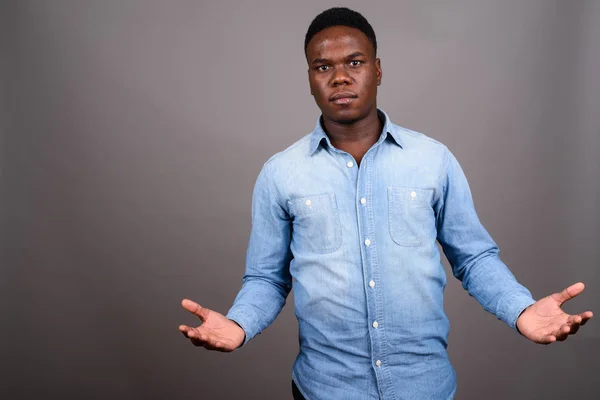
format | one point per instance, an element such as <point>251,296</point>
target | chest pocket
<point>316,223</point>
<point>410,215</point>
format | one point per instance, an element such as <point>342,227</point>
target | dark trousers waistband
<point>296,392</point>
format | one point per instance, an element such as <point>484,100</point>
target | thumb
<point>196,309</point>
<point>569,293</point>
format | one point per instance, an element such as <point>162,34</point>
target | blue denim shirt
<point>358,245</point>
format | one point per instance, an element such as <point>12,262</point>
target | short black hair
<point>340,16</point>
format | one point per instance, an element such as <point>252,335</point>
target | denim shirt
<point>358,246</point>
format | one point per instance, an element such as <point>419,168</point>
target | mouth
<point>343,98</point>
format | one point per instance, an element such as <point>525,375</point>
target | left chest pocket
<point>410,215</point>
<point>316,223</point>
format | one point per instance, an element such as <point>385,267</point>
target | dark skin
<point>342,60</point>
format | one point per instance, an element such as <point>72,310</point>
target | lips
<point>343,97</point>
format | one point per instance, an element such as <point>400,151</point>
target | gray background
<point>134,132</point>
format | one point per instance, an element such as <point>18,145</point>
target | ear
<point>309,85</point>
<point>379,72</point>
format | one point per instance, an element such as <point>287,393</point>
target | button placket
<point>370,264</point>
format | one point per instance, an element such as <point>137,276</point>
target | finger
<point>197,342</point>
<point>192,336</point>
<point>210,342</point>
<point>585,317</point>
<point>202,338</point>
<point>198,337</point>
<point>184,329</point>
<point>574,321</point>
<point>574,329</point>
<point>548,339</point>
<point>195,308</point>
<point>569,293</point>
<point>218,345</point>
<point>562,333</point>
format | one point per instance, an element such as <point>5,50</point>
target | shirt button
<point>367,242</point>
<point>350,164</point>
<point>308,202</point>
<point>413,194</point>
<point>372,283</point>
<point>375,324</point>
<point>378,363</point>
<point>363,201</point>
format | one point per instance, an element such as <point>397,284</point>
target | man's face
<point>343,73</point>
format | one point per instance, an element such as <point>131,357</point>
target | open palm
<point>216,332</point>
<point>545,322</point>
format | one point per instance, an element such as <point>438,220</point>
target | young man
<point>352,212</point>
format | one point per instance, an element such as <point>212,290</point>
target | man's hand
<point>545,322</point>
<point>216,332</point>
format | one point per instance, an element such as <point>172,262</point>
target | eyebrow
<point>324,60</point>
<point>356,54</point>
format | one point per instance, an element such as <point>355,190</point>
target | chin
<point>344,116</point>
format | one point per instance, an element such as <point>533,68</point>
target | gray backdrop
<point>134,132</point>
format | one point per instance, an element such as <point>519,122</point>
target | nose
<point>339,77</point>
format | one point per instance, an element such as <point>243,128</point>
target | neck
<point>356,138</point>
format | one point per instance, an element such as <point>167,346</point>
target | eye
<point>355,63</point>
<point>323,68</point>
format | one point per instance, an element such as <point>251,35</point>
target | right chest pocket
<point>316,223</point>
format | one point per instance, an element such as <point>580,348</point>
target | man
<point>352,212</point>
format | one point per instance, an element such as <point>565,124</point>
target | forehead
<point>338,39</point>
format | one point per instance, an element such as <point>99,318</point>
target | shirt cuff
<point>511,305</point>
<point>245,317</point>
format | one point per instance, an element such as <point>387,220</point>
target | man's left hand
<point>545,322</point>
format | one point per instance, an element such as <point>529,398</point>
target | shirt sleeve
<point>267,280</point>
<point>471,251</point>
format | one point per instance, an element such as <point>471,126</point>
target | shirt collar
<point>318,134</point>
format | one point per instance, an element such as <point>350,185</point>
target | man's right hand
<point>216,331</point>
